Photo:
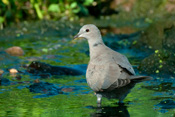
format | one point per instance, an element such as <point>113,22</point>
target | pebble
<point>13,71</point>
<point>1,71</point>
<point>15,51</point>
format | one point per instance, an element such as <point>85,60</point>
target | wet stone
<point>1,72</point>
<point>4,82</point>
<point>18,77</point>
<point>37,67</point>
<point>167,104</point>
<point>7,60</point>
<point>15,51</point>
<point>45,75</point>
<point>169,41</point>
<point>67,89</point>
<point>13,71</point>
<point>44,87</point>
<point>161,63</point>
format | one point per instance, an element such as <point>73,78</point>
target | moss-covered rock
<point>169,41</point>
<point>156,36</point>
<point>160,37</point>
<point>161,63</point>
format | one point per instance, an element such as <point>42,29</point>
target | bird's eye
<point>87,30</point>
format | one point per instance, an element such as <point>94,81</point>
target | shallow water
<point>73,97</point>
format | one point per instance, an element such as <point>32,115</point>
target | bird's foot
<point>99,98</point>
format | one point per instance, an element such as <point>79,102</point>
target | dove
<point>109,73</point>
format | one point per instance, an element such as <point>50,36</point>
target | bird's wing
<point>102,75</point>
<point>123,62</point>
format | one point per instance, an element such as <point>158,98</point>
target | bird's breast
<point>102,74</point>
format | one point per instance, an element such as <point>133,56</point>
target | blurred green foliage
<point>17,10</point>
<point>14,11</point>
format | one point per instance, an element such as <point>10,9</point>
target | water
<point>70,95</point>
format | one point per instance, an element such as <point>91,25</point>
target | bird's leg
<point>99,98</point>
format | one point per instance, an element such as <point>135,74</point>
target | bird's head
<point>89,31</point>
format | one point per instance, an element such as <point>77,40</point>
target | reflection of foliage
<point>12,10</point>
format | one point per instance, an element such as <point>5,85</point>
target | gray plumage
<point>108,72</point>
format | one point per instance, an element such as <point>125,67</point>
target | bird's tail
<point>140,78</point>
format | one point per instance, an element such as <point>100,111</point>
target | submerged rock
<point>7,60</point>
<point>167,104</point>
<point>39,68</point>
<point>4,82</point>
<point>44,87</point>
<point>67,89</point>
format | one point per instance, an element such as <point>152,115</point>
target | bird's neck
<point>94,47</point>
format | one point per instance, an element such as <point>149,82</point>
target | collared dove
<point>109,73</point>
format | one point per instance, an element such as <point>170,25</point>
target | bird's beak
<point>77,36</point>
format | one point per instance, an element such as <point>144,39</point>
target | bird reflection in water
<point>107,111</point>
<point>117,111</point>
<point>118,93</point>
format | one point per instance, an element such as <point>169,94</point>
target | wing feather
<point>123,62</point>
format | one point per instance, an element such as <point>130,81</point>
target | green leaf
<point>38,11</point>
<point>84,10</point>
<point>76,10</point>
<point>148,20</point>
<point>156,51</point>
<point>1,20</point>
<point>54,8</point>
<point>6,2</point>
<point>88,2</point>
<point>45,50</point>
<point>73,5</point>
<point>157,71</point>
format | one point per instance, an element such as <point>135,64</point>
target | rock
<point>67,89</point>
<point>167,104</point>
<point>117,30</point>
<point>1,71</point>
<point>169,41</point>
<point>6,60</point>
<point>44,87</point>
<point>161,63</point>
<point>45,75</point>
<point>40,68</point>
<point>161,39</point>
<point>122,4</point>
<point>155,36</point>
<point>13,71</point>
<point>4,82</point>
<point>15,51</point>
<point>37,81</point>
<point>151,37</point>
<point>18,77</point>
<point>170,7</point>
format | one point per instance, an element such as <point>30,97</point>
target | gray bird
<point>109,73</point>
